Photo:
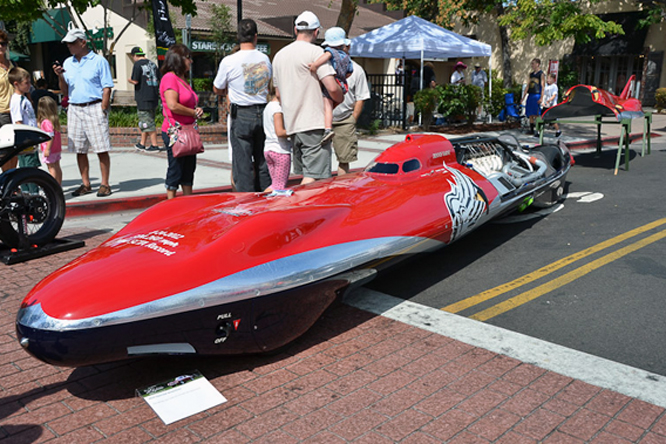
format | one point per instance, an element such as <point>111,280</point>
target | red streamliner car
<point>588,100</point>
<point>236,273</point>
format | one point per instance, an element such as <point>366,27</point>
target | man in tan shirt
<point>301,98</point>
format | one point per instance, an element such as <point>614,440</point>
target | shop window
<point>611,72</point>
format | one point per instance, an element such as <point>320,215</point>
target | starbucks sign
<point>208,46</point>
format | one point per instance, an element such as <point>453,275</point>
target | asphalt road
<point>592,270</point>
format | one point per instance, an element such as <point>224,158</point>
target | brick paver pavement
<point>355,377</point>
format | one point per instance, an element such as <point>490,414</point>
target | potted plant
<point>660,97</point>
<point>425,102</point>
<point>459,102</point>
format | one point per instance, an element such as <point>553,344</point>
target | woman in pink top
<point>179,104</point>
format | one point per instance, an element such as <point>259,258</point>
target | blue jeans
<point>247,138</point>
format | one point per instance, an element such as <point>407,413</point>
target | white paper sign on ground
<point>183,396</point>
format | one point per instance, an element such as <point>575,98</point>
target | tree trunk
<point>507,73</point>
<point>347,13</point>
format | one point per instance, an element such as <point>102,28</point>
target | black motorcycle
<point>32,205</point>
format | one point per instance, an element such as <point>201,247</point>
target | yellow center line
<point>544,271</point>
<point>565,279</point>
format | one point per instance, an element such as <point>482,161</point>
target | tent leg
<point>490,81</point>
<point>404,94</point>
<point>647,124</point>
<point>623,145</point>
<point>420,114</point>
<point>598,120</point>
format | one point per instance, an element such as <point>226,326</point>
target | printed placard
<point>182,396</point>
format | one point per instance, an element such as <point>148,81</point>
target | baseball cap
<point>137,51</point>
<point>311,21</point>
<point>73,35</point>
<point>335,37</point>
<point>477,65</point>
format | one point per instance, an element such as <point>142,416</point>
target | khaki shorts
<point>146,120</point>
<point>345,141</point>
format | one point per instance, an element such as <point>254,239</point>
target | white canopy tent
<point>416,38</point>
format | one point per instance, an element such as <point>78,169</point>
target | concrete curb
<point>79,209</point>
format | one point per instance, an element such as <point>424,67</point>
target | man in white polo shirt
<point>301,98</point>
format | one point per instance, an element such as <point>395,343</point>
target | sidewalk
<point>137,178</point>
<point>373,370</point>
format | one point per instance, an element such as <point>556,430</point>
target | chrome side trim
<point>175,348</point>
<point>272,277</point>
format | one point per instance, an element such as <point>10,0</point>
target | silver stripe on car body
<point>283,274</point>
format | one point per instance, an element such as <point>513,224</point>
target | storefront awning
<point>631,43</point>
<point>43,32</point>
<point>17,56</point>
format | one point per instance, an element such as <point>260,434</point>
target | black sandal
<point>80,191</point>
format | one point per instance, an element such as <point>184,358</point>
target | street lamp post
<point>188,37</point>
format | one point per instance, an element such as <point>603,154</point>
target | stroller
<point>513,112</point>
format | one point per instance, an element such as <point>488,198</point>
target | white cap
<point>73,35</point>
<point>311,20</point>
<point>336,37</point>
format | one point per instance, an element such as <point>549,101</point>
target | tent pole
<point>490,80</point>
<point>421,83</point>
<point>404,93</point>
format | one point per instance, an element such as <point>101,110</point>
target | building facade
<point>606,64</point>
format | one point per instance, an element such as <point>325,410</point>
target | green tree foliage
<point>549,21</point>
<point>31,10</point>
<point>220,24</point>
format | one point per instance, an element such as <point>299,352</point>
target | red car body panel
<point>264,261</point>
<point>588,100</point>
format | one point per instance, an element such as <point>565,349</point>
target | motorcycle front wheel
<point>31,200</point>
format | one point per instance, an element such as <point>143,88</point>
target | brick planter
<point>123,137</point>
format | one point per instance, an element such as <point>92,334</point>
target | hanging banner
<point>164,36</point>
<point>553,67</point>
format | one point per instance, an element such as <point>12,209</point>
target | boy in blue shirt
<point>335,53</point>
<point>22,111</point>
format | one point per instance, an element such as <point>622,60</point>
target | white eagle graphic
<point>465,202</point>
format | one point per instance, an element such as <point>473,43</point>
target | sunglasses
<point>4,43</point>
